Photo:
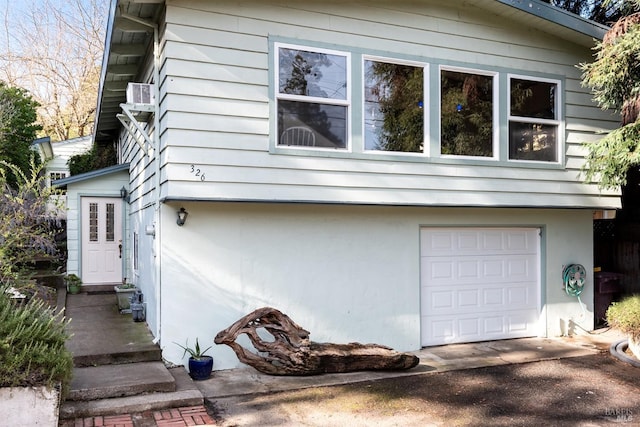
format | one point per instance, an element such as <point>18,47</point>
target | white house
<point>56,155</point>
<point>404,173</point>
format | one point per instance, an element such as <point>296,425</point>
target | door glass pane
<point>466,109</point>
<point>311,124</point>
<point>110,222</point>
<point>394,115</point>
<point>321,75</point>
<point>93,222</point>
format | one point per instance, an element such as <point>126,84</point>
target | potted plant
<point>625,316</point>
<point>73,283</point>
<point>124,292</point>
<point>200,366</point>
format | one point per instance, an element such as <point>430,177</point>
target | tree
<point>602,11</point>
<point>17,128</point>
<point>54,49</point>
<point>614,78</point>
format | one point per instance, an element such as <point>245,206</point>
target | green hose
<point>573,276</point>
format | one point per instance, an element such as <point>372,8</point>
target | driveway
<point>591,390</point>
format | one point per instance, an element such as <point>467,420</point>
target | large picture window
<point>394,113</point>
<point>312,98</point>
<point>467,113</point>
<point>533,120</point>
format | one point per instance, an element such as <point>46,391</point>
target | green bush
<point>625,316</point>
<point>32,345</point>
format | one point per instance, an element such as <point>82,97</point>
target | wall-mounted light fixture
<point>182,217</point>
<point>124,194</point>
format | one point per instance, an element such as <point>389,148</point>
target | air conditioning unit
<point>140,93</point>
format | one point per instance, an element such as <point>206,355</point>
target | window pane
<point>466,114</point>
<point>309,124</point>
<point>394,116</point>
<point>533,99</point>
<point>110,222</point>
<point>532,141</point>
<point>93,222</point>
<point>315,74</point>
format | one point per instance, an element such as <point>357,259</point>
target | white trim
<point>495,113</point>
<point>558,121</point>
<point>426,102</point>
<point>347,102</point>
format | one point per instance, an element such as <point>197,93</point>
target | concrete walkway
<point>246,381</point>
<point>102,336</point>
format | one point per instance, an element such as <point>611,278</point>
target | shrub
<point>625,316</point>
<point>32,345</point>
<point>27,222</point>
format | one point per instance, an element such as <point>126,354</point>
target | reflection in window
<point>533,120</point>
<point>93,222</point>
<point>110,221</point>
<point>312,98</point>
<point>466,114</point>
<point>393,107</point>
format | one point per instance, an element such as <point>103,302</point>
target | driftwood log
<point>289,351</point>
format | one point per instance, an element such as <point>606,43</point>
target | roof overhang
<point>98,173</point>
<point>127,45</point>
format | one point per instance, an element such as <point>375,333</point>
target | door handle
<point>120,249</point>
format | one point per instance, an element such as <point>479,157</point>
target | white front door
<point>479,284</point>
<point>101,240</point>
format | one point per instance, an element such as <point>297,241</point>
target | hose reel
<point>573,277</point>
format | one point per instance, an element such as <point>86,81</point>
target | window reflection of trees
<point>466,110</point>
<point>394,99</point>
<point>318,75</point>
<point>532,140</point>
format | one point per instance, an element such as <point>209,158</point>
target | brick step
<point>183,394</point>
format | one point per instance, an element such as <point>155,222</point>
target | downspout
<point>156,168</point>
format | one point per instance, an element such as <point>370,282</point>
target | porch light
<point>124,194</point>
<point>182,217</point>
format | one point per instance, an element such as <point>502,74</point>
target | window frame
<point>495,111</point>
<point>278,96</point>
<point>558,122</point>
<point>426,109</point>
<point>432,154</point>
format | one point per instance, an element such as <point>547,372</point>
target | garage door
<point>479,284</point>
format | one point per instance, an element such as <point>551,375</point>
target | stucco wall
<point>345,273</point>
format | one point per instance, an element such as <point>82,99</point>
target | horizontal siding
<point>215,105</point>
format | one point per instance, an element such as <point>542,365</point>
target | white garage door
<point>479,284</point>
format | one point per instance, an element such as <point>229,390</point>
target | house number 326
<point>195,171</point>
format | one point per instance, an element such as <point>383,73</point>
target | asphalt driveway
<point>592,390</point>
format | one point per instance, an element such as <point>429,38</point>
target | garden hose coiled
<point>573,276</point>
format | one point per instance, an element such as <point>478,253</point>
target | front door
<point>101,240</point>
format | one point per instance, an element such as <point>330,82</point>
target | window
<point>53,176</point>
<point>312,97</point>
<point>110,222</point>
<point>533,120</point>
<point>394,117</point>
<point>467,113</point>
<point>93,222</point>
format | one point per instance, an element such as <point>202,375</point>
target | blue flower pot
<point>200,369</point>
